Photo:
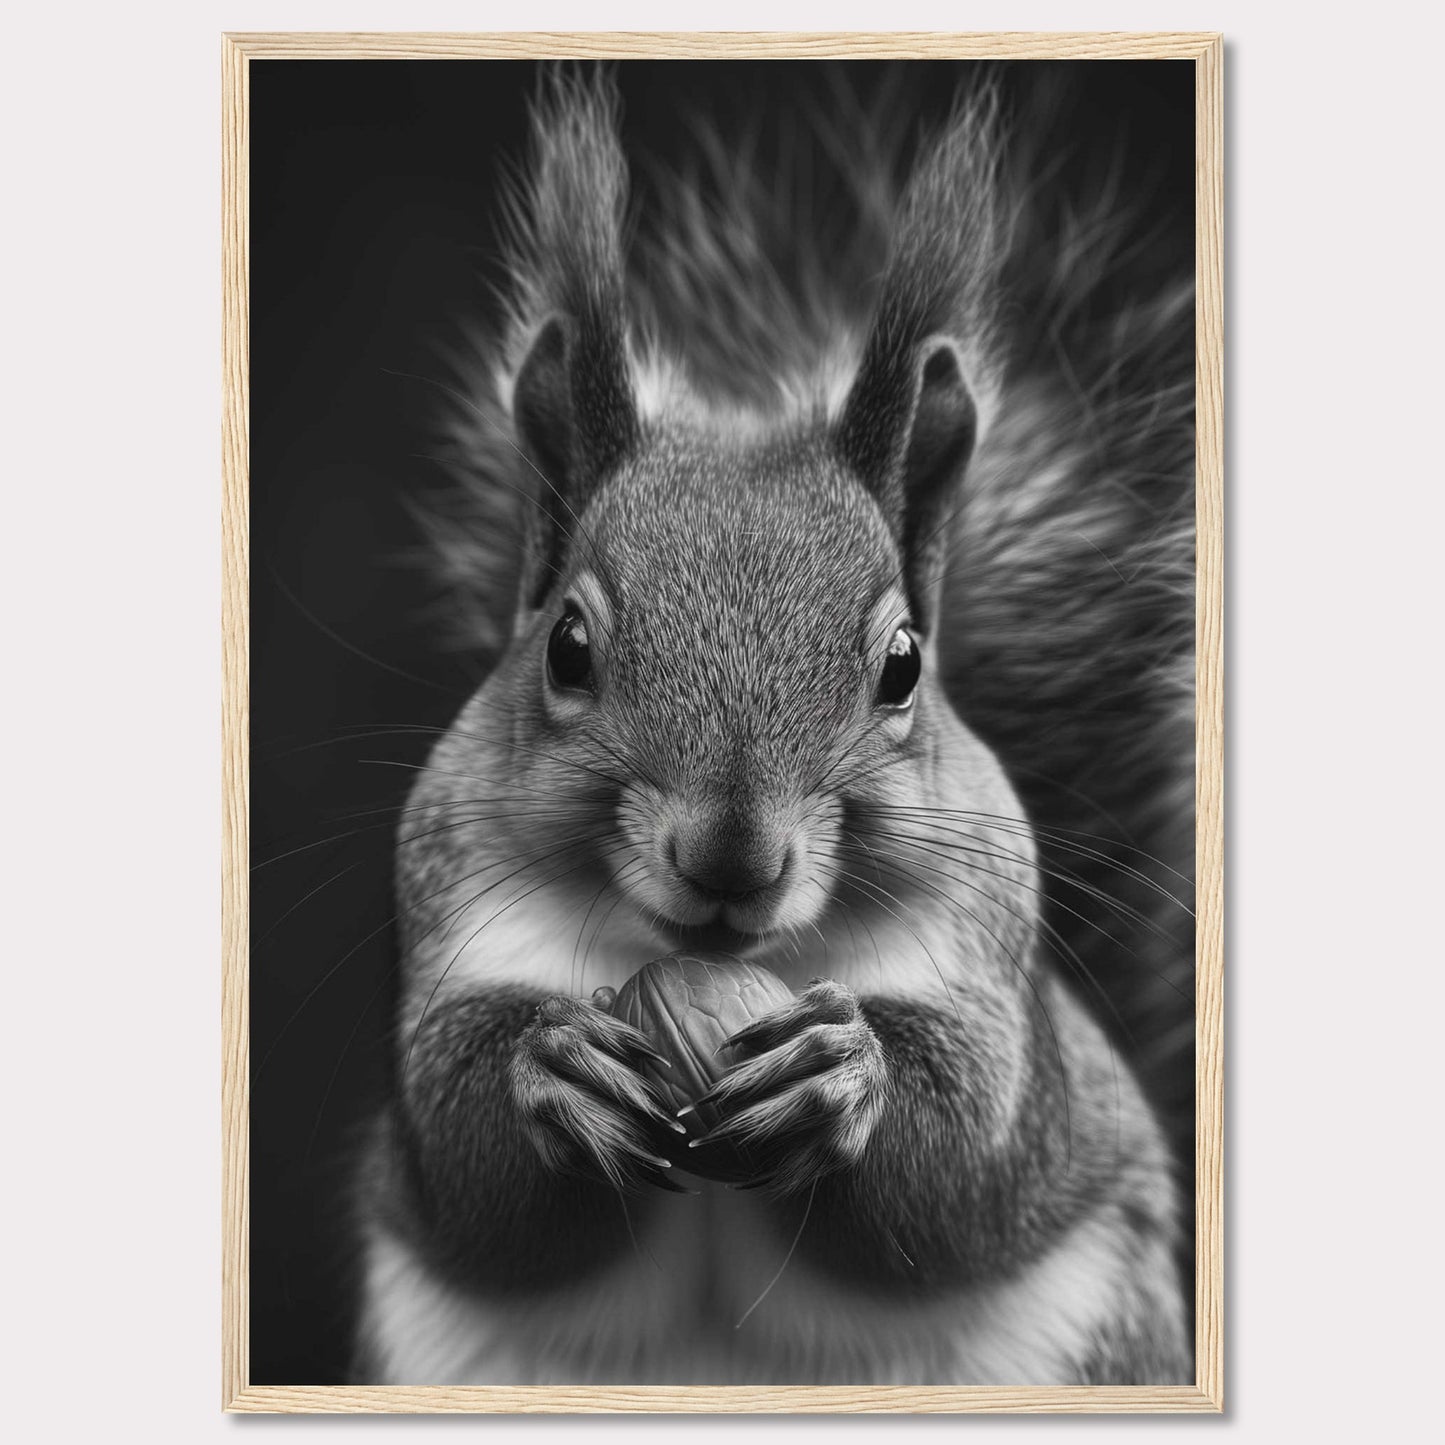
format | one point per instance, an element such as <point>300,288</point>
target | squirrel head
<point>742,629</point>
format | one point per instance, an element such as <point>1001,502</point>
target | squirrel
<point>845,627</point>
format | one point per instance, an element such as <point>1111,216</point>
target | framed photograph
<point>723,882</point>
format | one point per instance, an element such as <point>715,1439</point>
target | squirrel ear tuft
<point>576,420</point>
<point>908,430</point>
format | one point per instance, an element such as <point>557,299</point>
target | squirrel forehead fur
<point>743,584</point>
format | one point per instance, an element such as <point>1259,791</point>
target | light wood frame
<point>1206,1394</point>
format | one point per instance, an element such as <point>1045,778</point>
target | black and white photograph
<point>723,616</point>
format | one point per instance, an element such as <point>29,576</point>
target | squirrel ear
<point>542,408</point>
<point>908,430</point>
<point>576,419</point>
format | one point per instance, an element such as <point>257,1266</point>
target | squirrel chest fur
<point>725,718</point>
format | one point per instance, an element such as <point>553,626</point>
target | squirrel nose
<point>727,866</point>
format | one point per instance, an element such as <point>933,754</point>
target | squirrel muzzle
<point>745,867</point>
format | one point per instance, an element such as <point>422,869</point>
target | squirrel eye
<point>901,668</point>
<point>569,655</point>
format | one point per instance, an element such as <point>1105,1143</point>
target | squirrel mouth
<point>714,937</point>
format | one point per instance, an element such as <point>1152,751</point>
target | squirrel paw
<point>807,1092</point>
<point>583,1103</point>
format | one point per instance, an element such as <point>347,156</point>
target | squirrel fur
<point>838,614</point>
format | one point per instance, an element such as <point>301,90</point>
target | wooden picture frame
<point>1205,51</point>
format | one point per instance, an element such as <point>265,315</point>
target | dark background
<point>373,207</point>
